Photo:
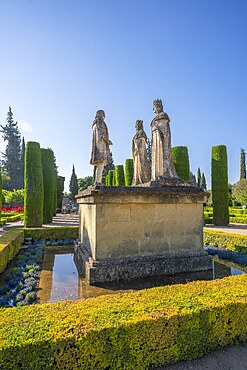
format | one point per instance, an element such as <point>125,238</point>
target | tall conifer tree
<point>203,182</point>
<point>242,164</point>
<point>73,184</point>
<point>12,156</point>
<point>23,146</point>
<point>199,177</point>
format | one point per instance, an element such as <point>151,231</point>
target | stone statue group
<point>162,165</point>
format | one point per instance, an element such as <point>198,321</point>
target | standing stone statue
<point>139,154</point>
<point>162,165</point>
<point>100,145</point>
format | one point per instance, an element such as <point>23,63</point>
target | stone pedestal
<point>132,232</point>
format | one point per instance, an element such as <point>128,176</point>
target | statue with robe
<point>139,154</point>
<point>100,153</point>
<point>162,164</point>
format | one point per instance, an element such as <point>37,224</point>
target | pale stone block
<point>120,212</point>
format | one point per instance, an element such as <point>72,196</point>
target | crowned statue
<point>162,164</point>
<point>139,154</point>
<point>100,153</point>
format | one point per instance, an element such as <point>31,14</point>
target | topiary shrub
<point>55,194</point>
<point>220,185</point>
<point>129,171</point>
<point>49,184</point>
<point>119,175</point>
<point>34,188</point>
<point>180,158</point>
<point>60,190</point>
<point>110,177</point>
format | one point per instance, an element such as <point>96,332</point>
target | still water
<point>60,280</point>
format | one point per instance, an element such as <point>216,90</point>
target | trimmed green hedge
<point>135,330</point>
<point>110,177</point>
<point>10,244</point>
<point>52,232</point>
<point>180,158</point>
<point>47,158</point>
<point>12,240</point>
<point>34,190</point>
<point>230,241</point>
<point>12,218</point>
<point>129,171</point>
<point>220,185</point>
<point>119,175</point>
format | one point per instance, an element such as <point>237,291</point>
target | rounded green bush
<point>220,185</point>
<point>34,188</point>
<point>49,184</point>
<point>129,171</point>
<point>180,158</point>
<point>119,175</point>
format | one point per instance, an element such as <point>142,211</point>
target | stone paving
<point>240,229</point>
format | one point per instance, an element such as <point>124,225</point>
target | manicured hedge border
<point>11,241</point>
<point>136,330</point>
<point>233,242</point>
<point>52,232</point>
<point>10,244</point>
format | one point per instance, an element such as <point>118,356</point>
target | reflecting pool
<point>60,279</point>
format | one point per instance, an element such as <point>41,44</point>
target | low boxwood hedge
<point>11,241</point>
<point>52,232</point>
<point>222,239</point>
<point>10,244</point>
<point>134,330</point>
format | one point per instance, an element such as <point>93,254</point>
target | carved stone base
<point>112,270</point>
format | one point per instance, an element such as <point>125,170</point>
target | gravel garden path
<point>240,229</point>
<point>59,220</point>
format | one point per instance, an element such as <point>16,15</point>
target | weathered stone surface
<point>125,223</point>
<point>110,270</point>
<point>100,152</point>
<point>139,153</point>
<point>162,164</point>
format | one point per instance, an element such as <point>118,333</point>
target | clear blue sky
<point>63,60</point>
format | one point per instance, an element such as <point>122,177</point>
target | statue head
<point>139,125</point>
<point>100,114</point>
<point>157,106</point>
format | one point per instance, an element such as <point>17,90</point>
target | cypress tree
<point>180,158</point>
<point>220,185</point>
<point>242,164</point>
<point>33,185</point>
<point>55,185</point>
<point>49,184</point>
<point>203,182</point>
<point>129,171</point>
<point>119,175</point>
<point>109,165</point>
<point>199,177</point>
<point>110,177</point>
<point>22,162</point>
<point>60,190</point>
<point>12,156</point>
<point>192,177</point>
<point>73,185</point>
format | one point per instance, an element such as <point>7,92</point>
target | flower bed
<point>136,330</point>
<point>13,209</point>
<point>20,281</point>
<point>228,255</point>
